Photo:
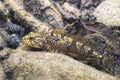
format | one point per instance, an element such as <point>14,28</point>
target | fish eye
<point>92,18</point>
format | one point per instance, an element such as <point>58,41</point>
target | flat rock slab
<point>28,65</point>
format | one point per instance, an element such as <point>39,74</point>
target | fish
<point>59,41</point>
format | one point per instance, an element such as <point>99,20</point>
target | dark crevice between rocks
<point>20,22</point>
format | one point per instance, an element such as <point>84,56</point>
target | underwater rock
<point>1,73</point>
<point>27,19</point>
<point>20,2</point>
<point>2,43</point>
<point>108,12</point>
<point>28,65</point>
<point>3,11</point>
<point>45,10</point>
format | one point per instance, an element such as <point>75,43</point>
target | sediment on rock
<point>108,13</point>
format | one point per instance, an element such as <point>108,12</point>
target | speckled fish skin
<point>59,42</point>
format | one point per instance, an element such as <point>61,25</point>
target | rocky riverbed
<point>93,25</point>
